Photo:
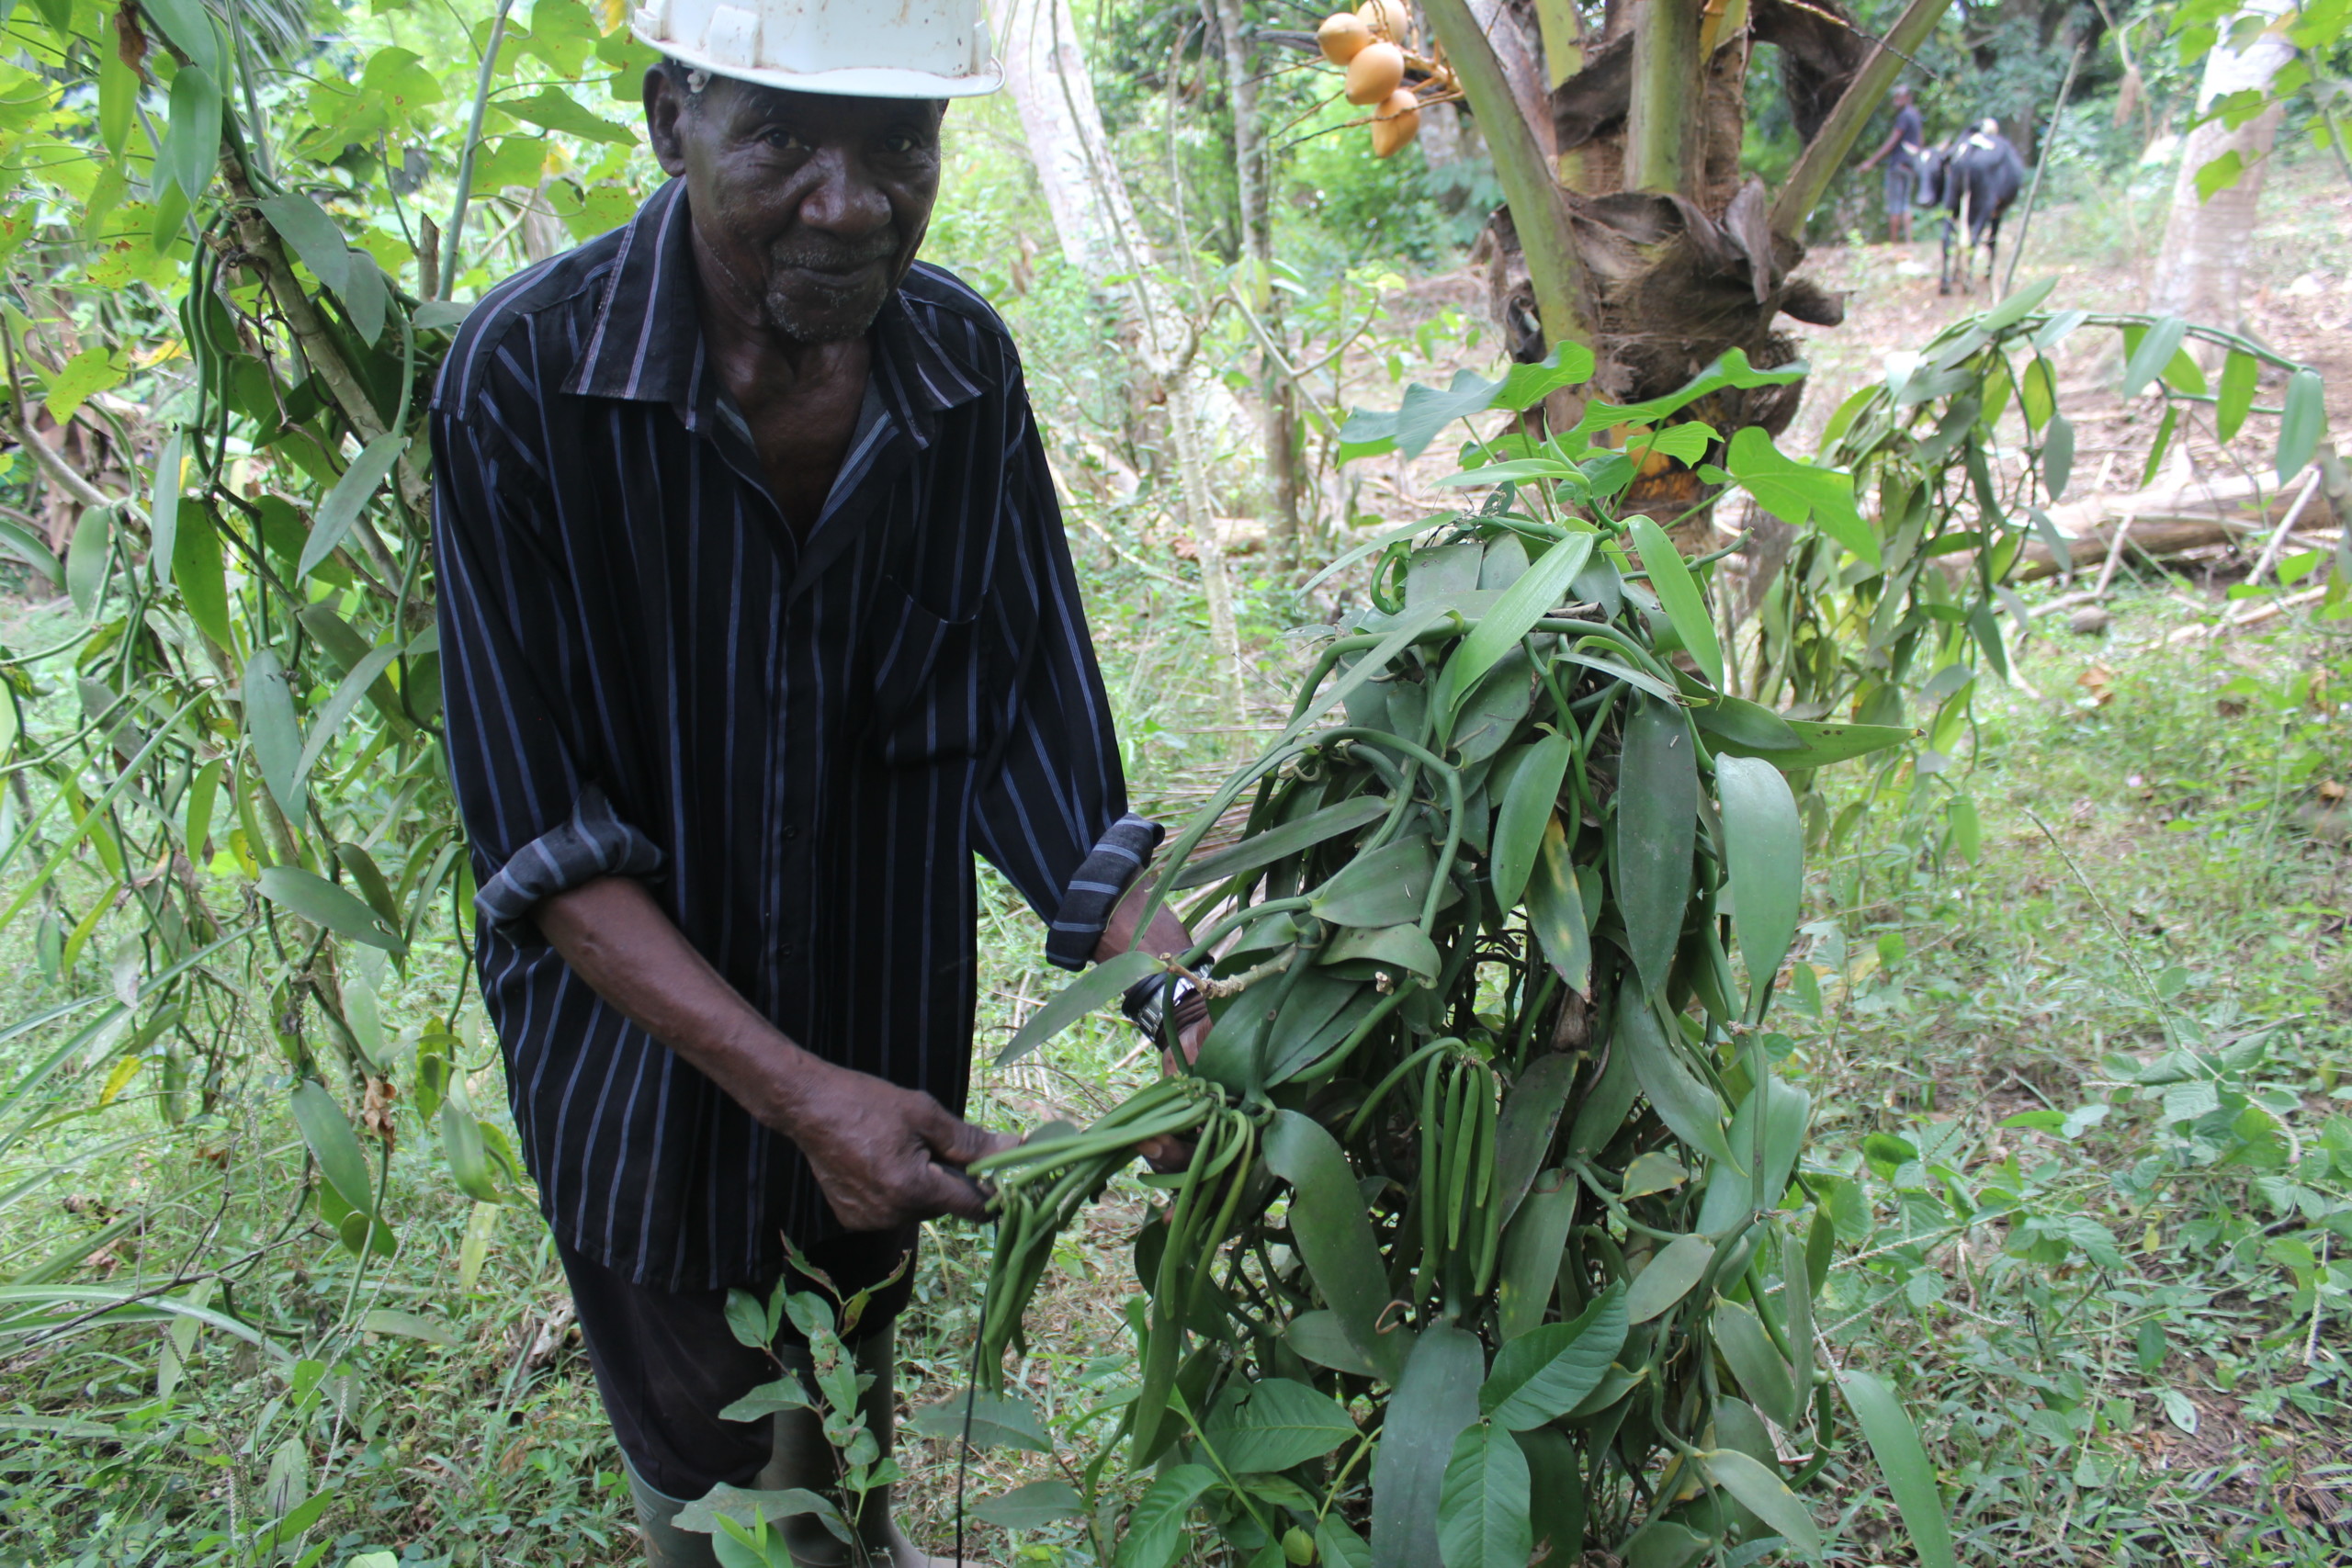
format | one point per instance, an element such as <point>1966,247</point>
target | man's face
<point>813,205</point>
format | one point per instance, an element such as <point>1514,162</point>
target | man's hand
<point>884,1154</point>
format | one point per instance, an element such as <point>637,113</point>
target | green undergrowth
<point>2081,1125</point>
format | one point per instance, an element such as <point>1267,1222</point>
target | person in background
<point>1902,146</point>
<point>757,624</point>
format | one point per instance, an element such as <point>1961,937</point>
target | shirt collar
<point>645,345</point>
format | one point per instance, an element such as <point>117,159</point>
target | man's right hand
<point>886,1156</point>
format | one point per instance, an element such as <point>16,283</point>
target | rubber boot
<point>666,1546</point>
<point>803,1458</point>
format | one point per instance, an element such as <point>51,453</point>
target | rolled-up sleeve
<point>1051,812</point>
<point>536,812</point>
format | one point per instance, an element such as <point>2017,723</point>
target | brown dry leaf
<point>376,1109</point>
<point>2099,681</point>
<point>2330,791</point>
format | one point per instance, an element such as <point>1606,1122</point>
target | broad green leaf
<point>1748,1349</point>
<point>1483,1507</point>
<point>786,1393</point>
<point>2219,175</point>
<point>86,557</point>
<point>1731,1198</point>
<point>1033,1506</point>
<point>1285,840</point>
<point>1668,1278</point>
<point>1820,744</point>
<point>1556,909</point>
<point>1320,1337</point>
<point>1655,830</point>
<point>88,373</point>
<point>1764,854</point>
<point>33,549</point>
<point>990,1420</point>
<point>1532,1243</point>
<point>1435,1398</point>
<point>1797,493</point>
<point>552,108</point>
<point>1556,1496</point>
<point>1280,1424</point>
<point>2235,400</point>
<point>351,494</point>
<point>2157,448</point>
<point>304,225</point>
<point>197,571</point>
<point>1751,724</point>
<point>1400,948</point>
<point>1662,1543</point>
<point>2037,396</point>
<point>1523,1133</point>
<point>1678,596</point>
<point>118,101</point>
<point>322,903</point>
<point>1104,983</point>
<point>1766,1497</point>
<point>1332,1233</point>
<point>462,1145</point>
<point>2018,305</point>
<point>742,1505</point>
<point>1544,1374</point>
<point>163,510</point>
<point>407,1325</point>
<point>1732,370</point>
<point>191,149</point>
<point>1385,887</point>
<point>2057,455</point>
<point>275,733</point>
<point>188,24</point>
<point>1426,411</point>
<point>1526,814</point>
<point>1691,1110</point>
<point>1894,1442</point>
<point>334,1145</point>
<point>1156,1525</point>
<point>327,725</point>
<point>2300,423</point>
<point>2153,353</point>
<point>1499,629</point>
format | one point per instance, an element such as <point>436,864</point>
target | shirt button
<point>785,952</point>
<point>790,832</point>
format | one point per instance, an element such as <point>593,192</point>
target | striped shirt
<point>797,746</point>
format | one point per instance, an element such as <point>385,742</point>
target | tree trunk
<point>2200,266</point>
<point>1044,67</point>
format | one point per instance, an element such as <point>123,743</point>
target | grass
<point>2116,1350</point>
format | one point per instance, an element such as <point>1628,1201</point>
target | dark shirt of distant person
<point>1901,151</point>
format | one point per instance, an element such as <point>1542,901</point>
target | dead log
<point>2164,523</point>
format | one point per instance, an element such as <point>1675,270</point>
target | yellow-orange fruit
<point>1386,18</point>
<point>1377,71</point>
<point>1395,122</point>
<point>1344,36</point>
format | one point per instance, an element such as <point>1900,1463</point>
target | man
<point>757,621</point>
<point>1905,142</point>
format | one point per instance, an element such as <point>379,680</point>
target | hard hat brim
<point>861,82</point>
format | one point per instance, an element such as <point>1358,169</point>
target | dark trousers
<point>666,1363</point>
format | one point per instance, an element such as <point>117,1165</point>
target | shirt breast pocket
<point>929,691</point>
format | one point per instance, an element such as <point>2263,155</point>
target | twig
<point>2279,534</point>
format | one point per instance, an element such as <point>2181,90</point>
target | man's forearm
<point>617,939</point>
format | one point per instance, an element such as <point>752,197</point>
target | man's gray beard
<point>784,312</point>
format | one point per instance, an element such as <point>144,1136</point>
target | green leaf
<point>327,725</point>
<point>118,101</point>
<point>1156,1525</point>
<point>1758,1367</point>
<point>1556,909</point>
<point>1526,814</point>
<point>191,150</point>
<point>322,903</point>
<point>1542,1375</point>
<point>1401,949</point>
<point>1820,744</point>
<point>2154,352</point>
<point>1894,1442</point>
<point>1678,596</point>
<point>1797,493</point>
<point>2219,175</point>
<point>2300,422</point>
<point>1529,1266</point>
<point>1691,1110</point>
<point>1385,887</point>
<point>86,557</point>
<point>351,494</point>
<point>743,1507</point>
<point>1104,983</point>
<point>163,510</point>
<point>1662,1543</point>
<point>407,1325</point>
<point>1426,411</point>
<point>1499,629</point>
<point>1765,1495</point>
<point>2157,448</point>
<point>786,1393</point>
<point>1530,1116</point>
<point>1332,1233</point>
<point>88,373</point>
<point>203,582</point>
<point>997,1421</point>
<point>552,108</point>
<point>1435,1400</point>
<point>1656,829</point>
<point>1281,1423</point>
<point>304,225</point>
<point>1764,854</point>
<point>1732,1199</point>
<point>1668,1277</point>
<point>1319,1337</point>
<point>462,1146</point>
<point>1033,1506</point>
<point>33,549</point>
<point>275,733</point>
<point>1283,840</point>
<point>334,1145</point>
<point>188,24</point>
<point>2037,395</point>
<point>1751,724</point>
<point>1483,1506</point>
<point>2057,455</point>
<point>2235,400</point>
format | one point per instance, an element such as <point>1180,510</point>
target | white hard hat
<point>861,49</point>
